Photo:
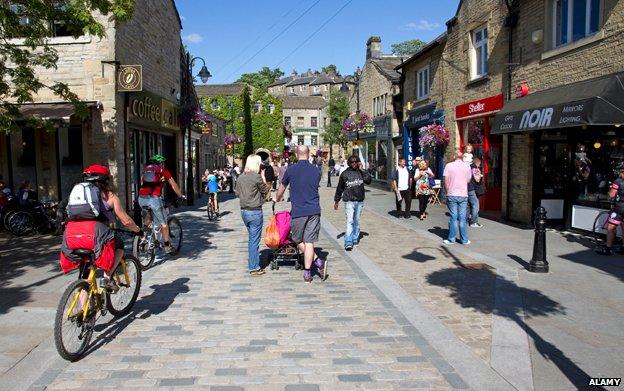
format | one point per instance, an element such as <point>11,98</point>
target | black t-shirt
<point>618,185</point>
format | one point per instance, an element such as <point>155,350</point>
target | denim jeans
<point>473,201</point>
<point>457,210</point>
<point>353,211</point>
<point>253,222</point>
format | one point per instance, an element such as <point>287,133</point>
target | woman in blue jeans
<point>252,188</point>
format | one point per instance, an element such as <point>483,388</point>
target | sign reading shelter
<point>130,78</point>
<point>151,110</point>
<point>479,107</point>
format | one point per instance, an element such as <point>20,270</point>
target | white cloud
<point>194,38</point>
<point>421,25</point>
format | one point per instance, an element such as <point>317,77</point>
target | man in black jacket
<point>351,190</point>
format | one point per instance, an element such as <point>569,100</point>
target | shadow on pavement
<point>461,281</point>
<point>439,231</point>
<point>153,304</point>
<point>520,261</point>
<point>612,265</point>
<point>418,256</point>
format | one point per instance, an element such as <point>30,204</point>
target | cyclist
<point>213,191</point>
<point>111,208</point>
<point>616,195</point>
<point>153,179</point>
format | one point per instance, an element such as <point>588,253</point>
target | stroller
<point>287,250</point>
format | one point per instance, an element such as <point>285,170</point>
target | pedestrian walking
<point>303,178</point>
<point>424,179</point>
<point>343,167</point>
<point>252,188</point>
<point>234,173</point>
<point>276,170</point>
<point>457,175</point>
<point>330,170</point>
<point>476,188</point>
<point>351,190</point>
<point>401,184</point>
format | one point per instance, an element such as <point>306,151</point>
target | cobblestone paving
<point>202,322</point>
<point>427,270</point>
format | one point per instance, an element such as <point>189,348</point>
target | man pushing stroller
<point>303,179</point>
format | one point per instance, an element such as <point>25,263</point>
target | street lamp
<point>203,74</point>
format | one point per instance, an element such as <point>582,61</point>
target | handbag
<point>432,182</point>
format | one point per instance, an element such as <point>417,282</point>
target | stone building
<point>377,88</point>
<point>482,93</point>
<point>306,117</point>
<point>212,151</point>
<point>122,129</point>
<point>309,84</point>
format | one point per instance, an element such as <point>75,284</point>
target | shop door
<point>552,177</point>
<point>488,148</point>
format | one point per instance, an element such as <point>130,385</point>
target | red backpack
<point>152,174</point>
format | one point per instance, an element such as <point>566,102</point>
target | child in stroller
<point>287,250</point>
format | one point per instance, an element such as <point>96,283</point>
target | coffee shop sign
<point>144,108</point>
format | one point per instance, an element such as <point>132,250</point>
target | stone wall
<point>437,81</point>
<point>307,114</point>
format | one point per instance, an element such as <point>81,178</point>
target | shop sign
<point>522,90</point>
<point>421,116</point>
<point>151,110</point>
<point>130,78</point>
<point>481,106</point>
<point>555,116</point>
<point>207,129</point>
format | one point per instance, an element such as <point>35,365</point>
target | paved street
<point>399,312</point>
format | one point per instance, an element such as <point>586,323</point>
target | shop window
<point>474,134</point>
<point>314,122</point>
<point>574,20</point>
<point>300,140</point>
<point>23,158</point>
<point>382,160</point>
<point>314,141</point>
<point>479,52</point>
<point>422,83</point>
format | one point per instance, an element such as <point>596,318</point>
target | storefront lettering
<point>421,118</point>
<point>532,119</point>
<point>476,107</point>
<point>145,109</point>
<point>572,109</point>
<point>568,120</point>
<point>153,109</point>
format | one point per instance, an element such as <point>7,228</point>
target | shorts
<point>215,193</point>
<point>616,216</point>
<point>157,206</point>
<point>305,229</point>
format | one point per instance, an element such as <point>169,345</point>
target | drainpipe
<point>511,21</point>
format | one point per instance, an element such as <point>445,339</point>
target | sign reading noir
<point>130,78</point>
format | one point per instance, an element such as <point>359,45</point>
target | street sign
<point>130,78</point>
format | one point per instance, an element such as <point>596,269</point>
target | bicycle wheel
<point>599,229</point>
<point>210,212</point>
<point>21,223</point>
<point>71,333</point>
<point>121,302</point>
<point>144,250</point>
<point>6,217</point>
<point>175,234</point>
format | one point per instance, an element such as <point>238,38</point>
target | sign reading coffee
<point>151,110</point>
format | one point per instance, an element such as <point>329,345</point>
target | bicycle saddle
<point>82,252</point>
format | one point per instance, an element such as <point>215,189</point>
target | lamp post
<point>203,74</point>
<point>345,88</point>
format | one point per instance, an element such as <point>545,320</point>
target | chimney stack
<point>373,47</point>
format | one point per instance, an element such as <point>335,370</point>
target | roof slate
<point>303,102</point>
<point>386,67</point>
<point>219,89</point>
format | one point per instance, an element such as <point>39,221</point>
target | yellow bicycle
<point>84,299</point>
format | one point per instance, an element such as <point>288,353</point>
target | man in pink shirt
<point>457,175</point>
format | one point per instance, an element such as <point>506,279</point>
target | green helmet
<point>158,158</point>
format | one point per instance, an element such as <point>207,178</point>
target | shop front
<point>375,149</point>
<point>578,143</point>
<point>474,121</point>
<point>419,117</point>
<point>46,162</point>
<point>153,128</point>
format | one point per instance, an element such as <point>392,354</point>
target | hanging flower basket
<point>358,123</point>
<point>230,139</point>
<point>433,135</point>
<point>200,119</point>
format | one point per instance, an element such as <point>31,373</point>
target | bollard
<point>538,263</point>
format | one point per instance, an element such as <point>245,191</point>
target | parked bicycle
<point>145,249</point>
<point>85,298</point>
<point>38,216</point>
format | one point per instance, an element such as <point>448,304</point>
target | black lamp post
<point>203,74</point>
<point>345,88</point>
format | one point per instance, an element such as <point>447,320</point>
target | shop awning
<point>598,101</point>
<point>49,111</point>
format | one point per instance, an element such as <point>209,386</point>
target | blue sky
<point>230,34</point>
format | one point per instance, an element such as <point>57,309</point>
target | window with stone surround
<point>215,104</point>
<point>300,140</point>
<point>574,19</point>
<point>300,122</point>
<point>271,108</point>
<point>314,122</point>
<point>313,140</point>
<point>287,120</point>
<point>479,52</point>
<point>317,89</point>
<point>379,105</point>
<point>291,90</point>
<point>56,28</point>
<point>257,107</point>
<point>422,83</point>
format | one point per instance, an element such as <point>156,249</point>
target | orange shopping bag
<point>271,234</point>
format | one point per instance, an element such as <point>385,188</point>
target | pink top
<point>456,178</point>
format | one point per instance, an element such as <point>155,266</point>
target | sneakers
<point>476,225</point>
<point>466,242</point>
<point>604,251</point>
<point>446,241</point>
<point>348,247</point>
<point>321,265</point>
<point>257,272</point>
<point>307,276</point>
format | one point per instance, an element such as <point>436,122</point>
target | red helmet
<point>96,173</point>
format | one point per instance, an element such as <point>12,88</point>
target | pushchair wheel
<point>297,265</point>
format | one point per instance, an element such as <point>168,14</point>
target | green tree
<point>18,80</point>
<point>331,69</point>
<point>338,111</point>
<point>262,78</point>
<point>407,48</point>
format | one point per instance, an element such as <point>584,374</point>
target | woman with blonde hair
<point>422,176</point>
<point>252,188</point>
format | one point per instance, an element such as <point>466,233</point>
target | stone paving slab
<point>201,321</point>
<point>428,271</point>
